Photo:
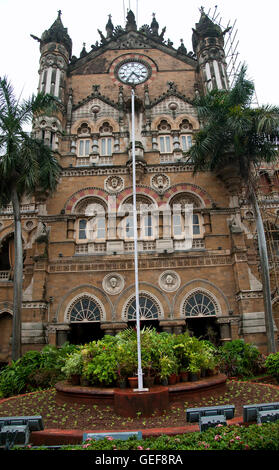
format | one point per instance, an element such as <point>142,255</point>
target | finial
<point>59,14</point>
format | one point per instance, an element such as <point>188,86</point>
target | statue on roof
<point>131,24</point>
<point>109,27</point>
<point>154,25</point>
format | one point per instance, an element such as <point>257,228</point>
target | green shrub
<point>232,437</point>
<point>272,365</point>
<point>35,369</point>
<point>239,359</point>
<point>73,364</point>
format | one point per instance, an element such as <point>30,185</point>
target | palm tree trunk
<point>271,346</point>
<point>18,274</point>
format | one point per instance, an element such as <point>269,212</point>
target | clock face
<point>133,73</point>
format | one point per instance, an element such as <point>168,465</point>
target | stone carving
<point>160,182</point>
<point>169,281</point>
<point>113,283</point>
<point>114,184</point>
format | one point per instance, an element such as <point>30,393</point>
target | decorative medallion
<point>114,184</point>
<point>113,283</point>
<point>169,281</point>
<point>160,182</point>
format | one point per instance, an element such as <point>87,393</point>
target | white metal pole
<point>140,381</point>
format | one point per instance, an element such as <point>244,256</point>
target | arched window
<point>148,308</point>
<point>92,222</point>
<point>147,218</point>
<point>180,219</point>
<point>85,309</point>
<point>106,140</point>
<point>84,140</point>
<point>185,135</point>
<point>165,140</point>
<point>199,304</point>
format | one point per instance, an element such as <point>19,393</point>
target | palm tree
<point>233,140</point>
<point>26,164</point>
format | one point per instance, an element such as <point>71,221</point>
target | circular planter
<point>129,403</point>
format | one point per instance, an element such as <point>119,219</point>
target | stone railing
<point>23,208</point>
<point>143,246</point>
<point>4,275</point>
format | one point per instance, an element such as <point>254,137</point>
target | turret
<point>208,44</point>
<point>56,51</point>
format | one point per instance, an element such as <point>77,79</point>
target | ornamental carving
<point>160,182</point>
<point>114,184</point>
<point>169,281</point>
<point>113,283</point>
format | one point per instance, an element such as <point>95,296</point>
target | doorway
<point>204,328</point>
<point>85,332</point>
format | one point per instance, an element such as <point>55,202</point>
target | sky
<point>255,33</point>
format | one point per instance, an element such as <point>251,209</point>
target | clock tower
<point>197,270</point>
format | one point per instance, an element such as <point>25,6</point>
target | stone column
<point>225,329</point>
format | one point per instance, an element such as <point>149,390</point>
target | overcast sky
<point>255,30</point>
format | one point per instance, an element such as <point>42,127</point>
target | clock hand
<point>133,73</point>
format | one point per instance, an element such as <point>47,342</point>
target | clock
<point>133,72</point>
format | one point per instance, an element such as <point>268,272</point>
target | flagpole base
<point>140,389</point>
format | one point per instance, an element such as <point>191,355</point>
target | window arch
<point>149,308</point>
<point>147,218</point>
<point>199,303</point>
<point>179,220</point>
<point>85,308</point>
<point>91,225</point>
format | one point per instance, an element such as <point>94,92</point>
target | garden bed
<point>69,416</point>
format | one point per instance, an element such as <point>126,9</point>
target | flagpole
<point>140,381</point>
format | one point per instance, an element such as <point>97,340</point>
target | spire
<point>131,24</point>
<point>57,33</point>
<point>154,25</point>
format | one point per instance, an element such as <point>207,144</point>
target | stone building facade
<point>78,243</point>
